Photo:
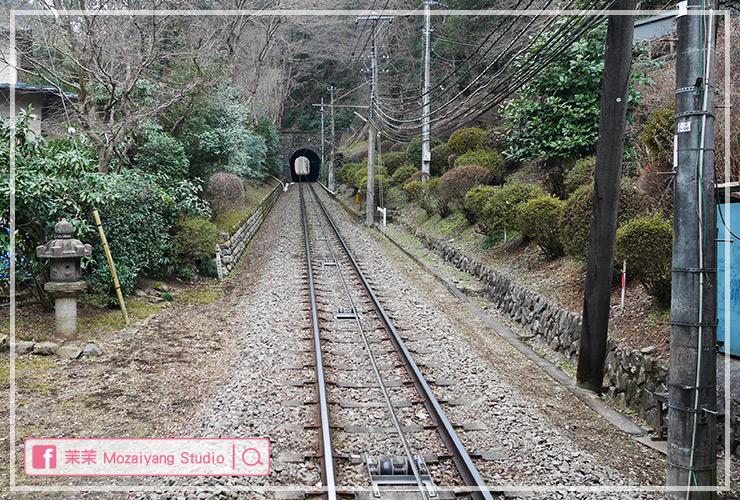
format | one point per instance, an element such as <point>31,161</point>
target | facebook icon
<point>44,457</point>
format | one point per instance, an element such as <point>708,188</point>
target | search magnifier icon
<point>251,457</point>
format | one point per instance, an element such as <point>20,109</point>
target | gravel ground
<point>364,422</point>
<point>525,450</point>
<point>259,398</point>
<point>528,434</point>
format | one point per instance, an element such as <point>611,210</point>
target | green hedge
<point>538,219</point>
<point>466,139</point>
<point>392,161</point>
<point>575,224</point>
<point>495,209</point>
<point>657,134</point>
<point>403,174</point>
<point>439,157</point>
<point>194,240</point>
<point>455,184</point>
<point>488,159</point>
<point>646,243</point>
<point>581,174</point>
<point>475,201</point>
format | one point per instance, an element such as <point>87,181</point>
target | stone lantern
<point>65,280</point>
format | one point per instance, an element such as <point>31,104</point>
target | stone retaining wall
<point>630,376</point>
<point>241,233</point>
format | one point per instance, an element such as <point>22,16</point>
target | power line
<point>561,39</point>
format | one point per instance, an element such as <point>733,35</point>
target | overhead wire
<point>501,54</point>
<point>474,112</point>
<point>514,82</point>
<point>480,46</point>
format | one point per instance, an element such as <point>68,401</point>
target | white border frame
<point>349,13</point>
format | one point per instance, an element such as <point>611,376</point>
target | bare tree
<point>118,70</point>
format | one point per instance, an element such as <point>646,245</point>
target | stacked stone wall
<point>630,375</point>
<point>235,241</point>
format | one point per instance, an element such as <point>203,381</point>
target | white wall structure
<point>8,72</point>
<point>23,100</point>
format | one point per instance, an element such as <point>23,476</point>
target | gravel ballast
<point>527,435</point>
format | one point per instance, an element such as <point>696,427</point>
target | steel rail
<point>383,389</point>
<point>327,460</point>
<point>464,463</point>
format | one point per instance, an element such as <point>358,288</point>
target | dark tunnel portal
<point>314,162</point>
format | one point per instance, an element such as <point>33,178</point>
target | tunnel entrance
<point>305,163</point>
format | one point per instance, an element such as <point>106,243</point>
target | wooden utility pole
<point>609,155</point>
<point>692,440</point>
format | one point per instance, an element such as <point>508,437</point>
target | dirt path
<point>150,380</point>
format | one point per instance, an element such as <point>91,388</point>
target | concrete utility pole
<point>426,133</point>
<point>370,204</point>
<point>332,172</point>
<point>692,415</point>
<point>322,133</point>
<point>321,110</point>
<point>609,156</point>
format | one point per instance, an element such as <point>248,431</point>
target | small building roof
<point>32,89</point>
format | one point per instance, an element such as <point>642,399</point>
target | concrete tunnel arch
<point>314,161</point>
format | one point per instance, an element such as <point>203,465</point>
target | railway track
<point>382,431</point>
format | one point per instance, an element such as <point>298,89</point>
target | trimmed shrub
<point>380,173</point>
<point>402,175</point>
<point>658,132</point>
<point>646,243</point>
<point>581,174</point>
<point>425,195</point>
<point>358,176</point>
<point>495,139</point>
<point>414,191</point>
<point>657,185</point>
<point>454,185</point>
<point>225,193</point>
<point>419,175</point>
<point>538,219</point>
<point>439,163</point>
<point>385,146</point>
<point>443,207</point>
<point>159,152</point>
<point>475,201</point>
<point>575,224</point>
<point>488,159</point>
<point>194,240</point>
<point>466,139</point>
<point>344,174</point>
<point>398,147</point>
<point>391,161</point>
<point>501,210</point>
<point>413,152</point>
